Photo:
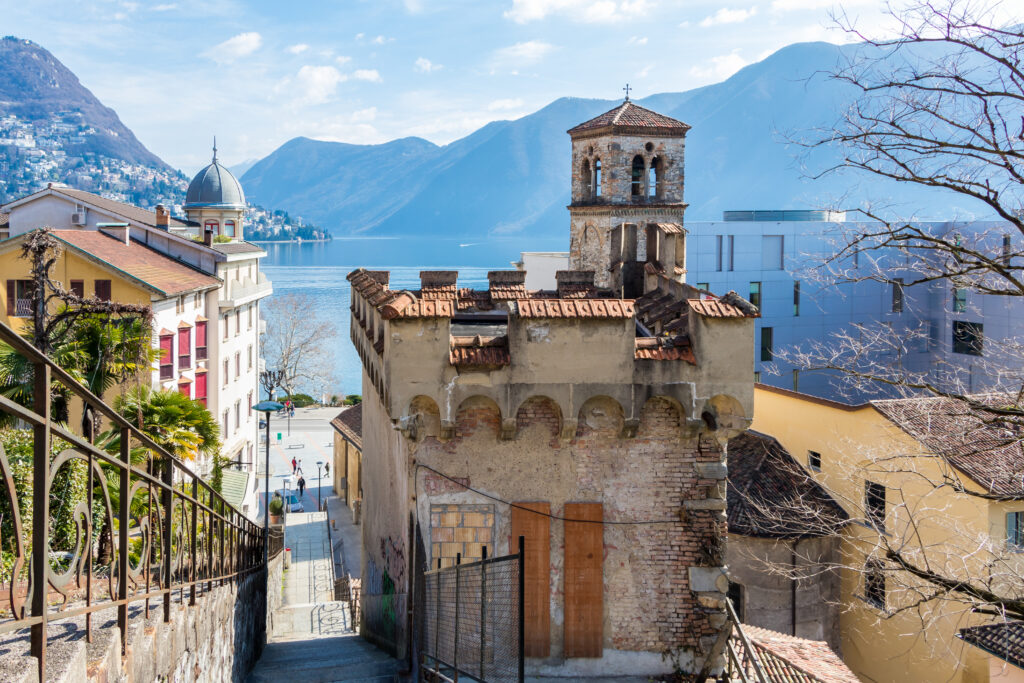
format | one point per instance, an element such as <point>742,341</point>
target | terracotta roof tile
<point>644,350</point>
<point>146,265</point>
<point>715,308</point>
<point>987,451</point>
<point>349,423</point>
<point>1004,640</point>
<point>670,228</point>
<point>763,476</point>
<point>132,213</point>
<point>479,351</point>
<point>631,115</point>
<point>799,660</point>
<point>575,308</point>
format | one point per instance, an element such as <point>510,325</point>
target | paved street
<point>310,441</point>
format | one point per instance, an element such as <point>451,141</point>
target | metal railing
<point>105,531</point>
<point>473,620</point>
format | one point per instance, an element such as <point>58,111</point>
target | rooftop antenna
<point>627,89</point>
<point>215,146</point>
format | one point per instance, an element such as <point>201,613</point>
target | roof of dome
<point>214,186</point>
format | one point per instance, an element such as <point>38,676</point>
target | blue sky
<point>257,74</point>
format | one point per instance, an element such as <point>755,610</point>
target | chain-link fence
<point>473,621</point>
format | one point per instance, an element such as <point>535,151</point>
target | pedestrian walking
<point>295,463</point>
<point>302,486</point>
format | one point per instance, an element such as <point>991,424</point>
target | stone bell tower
<point>627,197</point>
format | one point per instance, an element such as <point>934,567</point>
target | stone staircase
<point>312,638</point>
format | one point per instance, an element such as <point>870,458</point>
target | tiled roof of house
<point>1003,640</point>
<point>771,496</point>
<point>664,348</point>
<point>479,352</point>
<point>138,261</point>
<point>986,450</point>
<point>5,219</point>
<point>132,213</point>
<point>729,306</point>
<point>575,308</point>
<point>798,660</point>
<point>631,115</point>
<point>236,247</point>
<point>349,424</point>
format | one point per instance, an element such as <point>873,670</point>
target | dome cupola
<point>214,187</point>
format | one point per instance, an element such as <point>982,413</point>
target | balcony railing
<point>114,522</point>
<point>238,292</point>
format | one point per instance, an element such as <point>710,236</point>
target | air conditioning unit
<point>78,218</point>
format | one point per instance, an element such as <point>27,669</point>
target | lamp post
<point>269,379</point>
<point>319,464</point>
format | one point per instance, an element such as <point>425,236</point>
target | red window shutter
<point>201,385</point>
<point>12,294</point>
<point>201,334</point>
<point>584,580</point>
<point>78,288</point>
<point>103,290</point>
<point>184,341</point>
<point>166,349</point>
<point>184,390</point>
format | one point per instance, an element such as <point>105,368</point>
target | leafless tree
<point>940,105</point>
<point>299,343</point>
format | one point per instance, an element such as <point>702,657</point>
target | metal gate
<point>473,621</point>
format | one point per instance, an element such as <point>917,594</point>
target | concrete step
<point>347,659</point>
<point>324,672</point>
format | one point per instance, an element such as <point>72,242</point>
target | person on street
<point>295,463</point>
<point>302,486</point>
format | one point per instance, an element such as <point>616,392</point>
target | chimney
<point>163,218</point>
<point>507,278</point>
<point>438,283</point>
<point>119,231</point>
<point>208,237</point>
<point>575,284</point>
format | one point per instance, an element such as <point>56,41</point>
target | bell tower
<point>627,197</point>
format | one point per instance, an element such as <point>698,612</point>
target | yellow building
<point>348,457</point>
<point>905,471</point>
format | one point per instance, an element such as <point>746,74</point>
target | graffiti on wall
<point>382,604</point>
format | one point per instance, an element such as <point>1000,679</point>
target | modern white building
<point>205,286</point>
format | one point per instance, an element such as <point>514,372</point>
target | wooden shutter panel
<point>536,530</point>
<point>201,385</point>
<point>584,580</point>
<point>166,349</point>
<point>12,293</point>
<point>201,333</point>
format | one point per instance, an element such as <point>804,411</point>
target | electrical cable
<point>543,514</point>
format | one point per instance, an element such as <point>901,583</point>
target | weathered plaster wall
<point>385,528</point>
<point>768,595</point>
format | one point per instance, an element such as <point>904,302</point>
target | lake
<point>319,269</point>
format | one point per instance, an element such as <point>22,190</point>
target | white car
<point>291,501</point>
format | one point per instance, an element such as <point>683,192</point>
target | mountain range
<point>507,178</point>
<point>513,176</point>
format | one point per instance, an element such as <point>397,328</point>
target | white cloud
<point>371,75</point>
<point>728,16</point>
<point>298,49</point>
<point>720,67</point>
<point>637,40</point>
<point>363,115</point>
<point>359,36</point>
<point>318,84</point>
<point>166,7</point>
<point>413,6</point>
<point>591,11</point>
<point>380,40</point>
<point>238,46</point>
<point>425,66</point>
<point>644,72</point>
<point>342,60</point>
<point>504,104</point>
<point>522,54</point>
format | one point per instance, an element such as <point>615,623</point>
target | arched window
<point>587,179</point>
<point>637,185</point>
<point>214,226</point>
<point>229,228</point>
<point>654,178</point>
<point>597,177</point>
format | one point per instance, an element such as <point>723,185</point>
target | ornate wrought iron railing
<point>105,530</point>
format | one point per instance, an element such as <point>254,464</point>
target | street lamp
<point>319,464</point>
<point>269,379</point>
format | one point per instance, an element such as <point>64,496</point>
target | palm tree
<point>183,427</point>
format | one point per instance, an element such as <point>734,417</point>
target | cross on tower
<point>627,89</point>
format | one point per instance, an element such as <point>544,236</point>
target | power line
<point>543,514</point>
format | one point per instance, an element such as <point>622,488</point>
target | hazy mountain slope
<point>35,86</point>
<point>513,176</point>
